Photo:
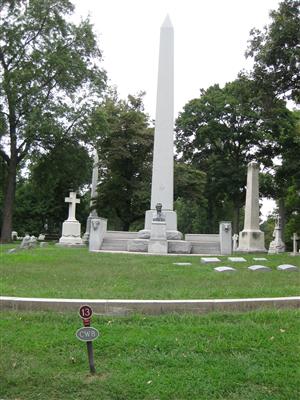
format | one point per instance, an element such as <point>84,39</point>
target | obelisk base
<point>171,225</point>
<point>251,241</point>
<point>158,238</point>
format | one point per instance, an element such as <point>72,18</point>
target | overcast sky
<point>210,41</point>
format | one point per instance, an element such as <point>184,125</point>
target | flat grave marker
<point>261,268</point>
<point>206,260</point>
<point>224,269</point>
<point>287,267</point>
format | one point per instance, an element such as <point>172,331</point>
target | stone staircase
<point>201,243</point>
<point>204,243</point>
<point>117,240</point>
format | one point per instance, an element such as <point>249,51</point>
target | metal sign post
<point>88,334</point>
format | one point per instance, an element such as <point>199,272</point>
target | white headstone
<point>235,241</point>
<point>295,237</point>
<point>97,232</point>
<point>25,242</point>
<point>251,239</point>
<point>71,230</point>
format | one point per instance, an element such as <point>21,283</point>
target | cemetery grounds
<point>252,355</point>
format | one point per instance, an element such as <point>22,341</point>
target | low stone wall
<point>149,307</point>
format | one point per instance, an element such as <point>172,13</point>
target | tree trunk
<point>9,201</point>
<point>281,210</point>
<point>236,219</point>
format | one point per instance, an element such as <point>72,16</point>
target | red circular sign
<point>85,312</point>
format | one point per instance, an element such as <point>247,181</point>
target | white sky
<point>210,42</point>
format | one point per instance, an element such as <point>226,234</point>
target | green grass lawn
<point>215,356</point>
<point>76,273</point>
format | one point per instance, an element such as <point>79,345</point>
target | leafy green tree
<point>49,77</point>
<point>276,52</point>
<point>223,130</point>
<point>124,144</point>
<point>190,202</point>
<point>40,198</point>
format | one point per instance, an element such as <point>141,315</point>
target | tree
<point>223,130</point>
<point>276,52</point>
<point>49,76</point>
<point>124,144</point>
<point>40,197</point>
<point>190,202</point>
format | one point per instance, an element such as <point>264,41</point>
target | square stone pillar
<point>225,231</point>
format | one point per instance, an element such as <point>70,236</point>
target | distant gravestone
<point>277,245</point>
<point>237,259</point>
<point>259,268</point>
<point>43,244</point>
<point>33,242</point>
<point>11,251</point>
<point>235,241</point>
<point>287,267</point>
<point>207,260</point>
<point>41,237</point>
<point>224,269</point>
<point>25,244</point>
<point>295,237</point>
<point>14,235</point>
<point>259,259</point>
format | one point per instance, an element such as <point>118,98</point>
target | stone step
<point>205,248</point>
<point>114,244</point>
<point>120,235</point>
<point>203,237</point>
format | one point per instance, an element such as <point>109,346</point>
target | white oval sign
<point>87,334</point>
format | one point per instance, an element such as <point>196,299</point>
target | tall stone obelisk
<point>93,212</point>
<point>251,239</point>
<point>163,154</point>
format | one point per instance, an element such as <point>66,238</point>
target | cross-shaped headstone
<point>295,237</point>
<point>72,205</point>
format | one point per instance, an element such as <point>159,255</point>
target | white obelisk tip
<point>167,22</point>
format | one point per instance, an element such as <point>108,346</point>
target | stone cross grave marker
<point>72,205</point>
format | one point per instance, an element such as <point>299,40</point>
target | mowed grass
<point>214,356</point>
<point>76,273</point>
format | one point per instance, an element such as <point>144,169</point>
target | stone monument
<point>93,212</point>
<point>71,227</point>
<point>163,152</point>
<point>252,239</point>
<point>277,245</point>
